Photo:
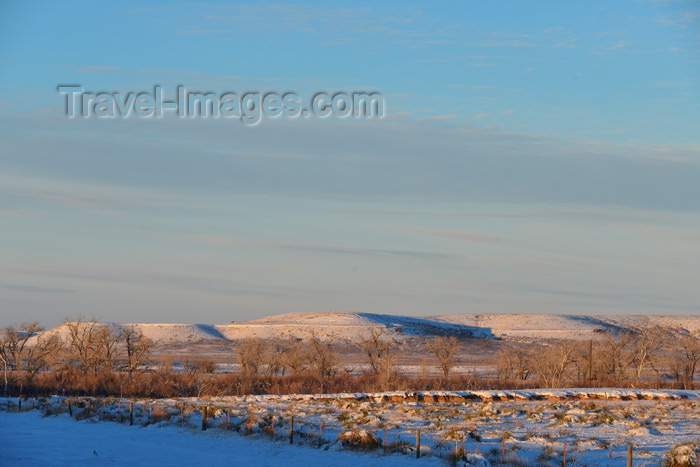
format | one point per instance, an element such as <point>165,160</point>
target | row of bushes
<point>72,382</point>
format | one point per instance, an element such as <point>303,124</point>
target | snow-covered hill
<point>351,326</point>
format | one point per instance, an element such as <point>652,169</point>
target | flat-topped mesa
<point>346,326</point>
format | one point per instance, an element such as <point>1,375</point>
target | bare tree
<point>13,340</point>
<point>553,361</point>
<point>514,364</point>
<point>23,348</point>
<point>42,353</point>
<point>379,355</point>
<point>106,349</point>
<point>13,343</point>
<point>445,349</point>
<point>645,345</point>
<point>93,345</point>
<point>586,362</point>
<point>5,363</point>
<point>251,356</point>
<point>295,357</point>
<point>275,358</point>
<point>689,359</point>
<point>323,361</point>
<point>137,348</point>
<point>613,357</point>
<point>80,338</point>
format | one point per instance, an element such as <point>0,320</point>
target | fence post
<point>131,413</point>
<point>228,419</point>
<point>19,403</point>
<point>70,407</point>
<point>384,439</point>
<point>320,433</point>
<point>503,450</point>
<point>204,418</point>
<point>291,429</point>
<point>564,463</point>
<point>418,443</point>
<point>629,455</point>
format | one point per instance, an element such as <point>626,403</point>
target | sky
<point>533,157</point>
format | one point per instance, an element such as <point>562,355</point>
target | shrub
<point>603,418</point>
<point>359,439</point>
<point>158,414</point>
<point>681,455</point>
<point>506,435</point>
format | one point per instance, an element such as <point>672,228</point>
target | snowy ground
<point>255,430</point>
<point>29,439</point>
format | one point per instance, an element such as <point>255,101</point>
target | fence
<point>283,424</point>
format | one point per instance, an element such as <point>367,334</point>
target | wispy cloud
<point>465,162</point>
<point>682,20</point>
<point>33,289</point>
<point>459,235</point>
<point>240,242</point>
<point>562,214</point>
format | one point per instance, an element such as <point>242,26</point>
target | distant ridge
<point>344,326</point>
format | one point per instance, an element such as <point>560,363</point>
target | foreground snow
<point>28,438</point>
<point>593,432</point>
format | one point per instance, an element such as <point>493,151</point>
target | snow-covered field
<point>255,430</point>
<point>30,439</point>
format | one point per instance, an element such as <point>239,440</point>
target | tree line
<point>625,358</point>
<point>90,357</point>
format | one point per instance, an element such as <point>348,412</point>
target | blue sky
<point>534,157</point>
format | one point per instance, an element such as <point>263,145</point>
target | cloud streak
<point>240,242</point>
<point>428,160</point>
